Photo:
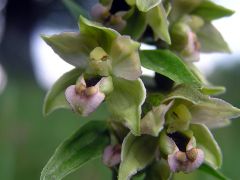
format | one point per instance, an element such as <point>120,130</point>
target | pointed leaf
<point>84,145</point>
<point>213,172</point>
<point>157,20</point>
<point>55,97</point>
<point>208,144</point>
<point>137,153</point>
<point>75,9</point>
<point>146,5</point>
<point>211,40</point>
<point>125,102</point>
<point>210,11</point>
<point>168,64</point>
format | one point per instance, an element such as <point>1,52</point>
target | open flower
<point>102,51</point>
<point>181,151</point>
<point>182,107</point>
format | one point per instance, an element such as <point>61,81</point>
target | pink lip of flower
<point>82,99</point>
<point>186,161</point>
<point>112,155</point>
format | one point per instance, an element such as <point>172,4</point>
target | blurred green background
<point>27,139</point>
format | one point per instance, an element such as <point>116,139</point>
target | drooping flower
<point>103,52</point>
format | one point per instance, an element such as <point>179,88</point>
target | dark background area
<point>27,139</point>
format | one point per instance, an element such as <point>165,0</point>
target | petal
<point>157,20</point>
<point>125,102</point>
<point>153,122</point>
<point>125,58</point>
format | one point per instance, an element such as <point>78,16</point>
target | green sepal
<point>126,100</point>
<point>84,145</point>
<point>71,47</point>
<point>103,36</point>
<point>146,5</point>
<point>157,20</point>
<point>206,142</point>
<point>137,153</point>
<point>211,40</point>
<point>55,97</point>
<point>210,11</point>
<point>159,171</point>
<point>136,23</point>
<point>153,122</point>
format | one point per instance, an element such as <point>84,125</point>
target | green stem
<point>114,174</point>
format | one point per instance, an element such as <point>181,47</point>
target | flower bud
<point>112,155</point>
<point>100,12</point>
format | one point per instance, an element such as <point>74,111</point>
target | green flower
<point>103,53</point>
<point>98,48</point>
<point>186,105</point>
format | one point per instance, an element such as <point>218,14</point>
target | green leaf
<point>210,11</point>
<point>75,9</point>
<point>136,23</point>
<point>208,144</point>
<point>55,97</point>
<point>211,40</point>
<point>84,145</point>
<point>212,112</point>
<point>213,172</point>
<point>159,171</point>
<point>168,64</point>
<point>157,20</point>
<point>146,5</point>
<point>137,153</point>
<point>126,100</point>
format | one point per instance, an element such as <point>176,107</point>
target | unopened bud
<point>112,155</point>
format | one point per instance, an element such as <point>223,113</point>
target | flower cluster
<point>157,133</point>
